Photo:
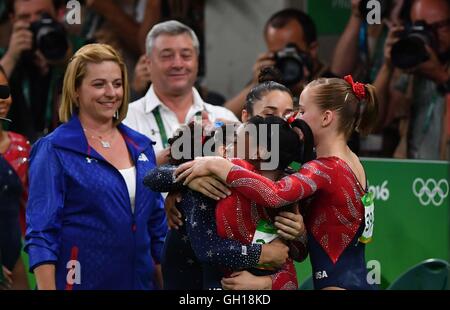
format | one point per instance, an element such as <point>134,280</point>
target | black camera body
<point>291,62</point>
<point>410,50</point>
<point>49,36</point>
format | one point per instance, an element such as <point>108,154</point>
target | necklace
<point>105,143</point>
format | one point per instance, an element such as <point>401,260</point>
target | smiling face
<point>173,64</point>
<point>5,104</point>
<point>101,91</point>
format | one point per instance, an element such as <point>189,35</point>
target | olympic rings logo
<point>430,191</point>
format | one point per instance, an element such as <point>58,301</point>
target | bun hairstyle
<point>189,130</point>
<point>355,103</point>
<point>269,74</point>
<point>269,80</point>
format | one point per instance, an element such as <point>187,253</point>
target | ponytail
<point>369,111</point>
<point>355,103</point>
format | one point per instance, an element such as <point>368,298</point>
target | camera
<point>49,36</point>
<point>385,8</point>
<point>410,50</point>
<point>291,62</point>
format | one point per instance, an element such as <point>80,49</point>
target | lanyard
<point>372,62</point>
<point>362,43</point>
<point>162,130</point>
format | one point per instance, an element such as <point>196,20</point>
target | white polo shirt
<point>141,116</point>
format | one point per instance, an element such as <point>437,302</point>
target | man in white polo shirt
<point>171,101</point>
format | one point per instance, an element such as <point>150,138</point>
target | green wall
<point>407,229</point>
<point>330,16</point>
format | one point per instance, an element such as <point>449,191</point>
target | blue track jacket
<point>79,214</point>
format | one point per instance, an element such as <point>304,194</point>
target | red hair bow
<point>291,119</point>
<point>358,88</point>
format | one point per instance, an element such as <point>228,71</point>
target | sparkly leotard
<point>217,255</point>
<point>334,215</point>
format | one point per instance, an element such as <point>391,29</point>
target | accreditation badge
<point>369,208</point>
<point>265,233</point>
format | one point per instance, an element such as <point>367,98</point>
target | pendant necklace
<point>105,143</point>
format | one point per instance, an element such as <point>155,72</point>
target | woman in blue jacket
<point>91,224</point>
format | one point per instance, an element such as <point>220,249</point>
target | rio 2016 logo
<point>430,191</point>
<point>380,192</point>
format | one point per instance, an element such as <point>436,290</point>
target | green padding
<point>412,216</point>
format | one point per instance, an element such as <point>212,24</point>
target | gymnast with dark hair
<point>218,254</point>
<point>339,209</point>
<point>267,92</point>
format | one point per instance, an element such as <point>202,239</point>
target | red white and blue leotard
<point>237,217</point>
<point>334,215</point>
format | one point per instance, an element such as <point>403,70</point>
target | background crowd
<point>45,62</point>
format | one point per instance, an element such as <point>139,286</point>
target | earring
<point>116,114</point>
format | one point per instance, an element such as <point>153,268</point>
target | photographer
<point>35,61</point>
<point>360,47</point>
<point>290,36</point>
<point>420,52</point>
<point>360,51</point>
